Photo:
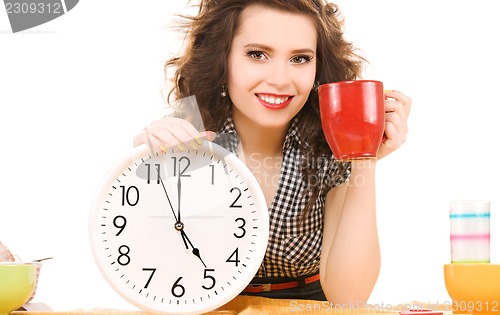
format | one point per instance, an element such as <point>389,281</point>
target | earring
<point>315,85</point>
<point>223,93</point>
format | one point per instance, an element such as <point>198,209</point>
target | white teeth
<point>272,99</point>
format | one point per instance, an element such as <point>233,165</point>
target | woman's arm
<point>350,256</point>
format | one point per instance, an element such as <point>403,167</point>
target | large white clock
<point>179,232</point>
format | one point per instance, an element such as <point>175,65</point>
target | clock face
<point>179,232</point>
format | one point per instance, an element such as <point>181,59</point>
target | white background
<point>74,92</point>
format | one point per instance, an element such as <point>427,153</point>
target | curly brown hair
<point>202,68</point>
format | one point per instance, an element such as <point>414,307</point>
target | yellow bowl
<point>474,288</point>
<point>38,268</point>
<point>17,281</point>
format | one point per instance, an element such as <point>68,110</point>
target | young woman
<point>254,67</point>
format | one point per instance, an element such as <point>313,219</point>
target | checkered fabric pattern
<point>294,247</point>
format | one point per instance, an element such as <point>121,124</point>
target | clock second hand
<point>169,202</point>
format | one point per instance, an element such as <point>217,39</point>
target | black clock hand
<point>179,198</point>
<point>195,250</point>
<point>184,240</point>
<point>179,225</point>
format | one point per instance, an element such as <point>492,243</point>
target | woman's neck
<point>267,141</point>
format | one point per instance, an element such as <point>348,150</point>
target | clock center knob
<point>179,226</point>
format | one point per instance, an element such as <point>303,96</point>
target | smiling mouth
<point>274,101</point>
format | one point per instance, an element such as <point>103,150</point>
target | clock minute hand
<point>179,198</point>
<point>178,224</point>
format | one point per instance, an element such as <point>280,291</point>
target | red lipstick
<point>275,105</point>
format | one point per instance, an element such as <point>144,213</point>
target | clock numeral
<point>212,279</point>
<point>119,222</point>
<point>234,258</point>
<point>241,227</point>
<point>178,287</point>
<point>157,166</point>
<point>123,259</point>
<point>181,170</point>
<point>152,270</point>
<point>130,196</point>
<point>238,195</point>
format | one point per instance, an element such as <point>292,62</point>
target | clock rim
<point>144,150</point>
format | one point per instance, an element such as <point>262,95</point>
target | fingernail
<point>193,145</point>
<point>199,140</point>
<point>163,148</point>
<point>181,147</point>
<point>211,135</point>
<point>387,91</point>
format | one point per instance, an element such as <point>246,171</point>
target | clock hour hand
<point>195,250</point>
<point>184,238</point>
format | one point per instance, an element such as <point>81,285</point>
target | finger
<point>396,131</point>
<point>146,138</point>
<point>175,133</point>
<point>193,143</point>
<point>392,106</point>
<point>400,97</point>
<point>187,131</point>
<point>386,147</point>
<point>208,135</point>
<point>157,137</point>
<point>183,132</point>
<point>171,140</point>
<point>156,145</point>
<point>391,131</point>
<point>188,134</point>
<point>395,112</point>
<point>168,140</point>
<point>397,121</point>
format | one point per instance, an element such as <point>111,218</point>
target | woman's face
<point>272,66</point>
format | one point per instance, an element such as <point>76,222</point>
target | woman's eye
<point>256,55</point>
<point>301,59</point>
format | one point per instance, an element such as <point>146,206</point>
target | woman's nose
<point>278,74</point>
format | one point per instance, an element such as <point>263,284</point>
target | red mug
<point>353,117</point>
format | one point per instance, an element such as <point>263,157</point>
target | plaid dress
<point>294,246</point>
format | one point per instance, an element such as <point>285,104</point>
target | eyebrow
<point>267,48</point>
